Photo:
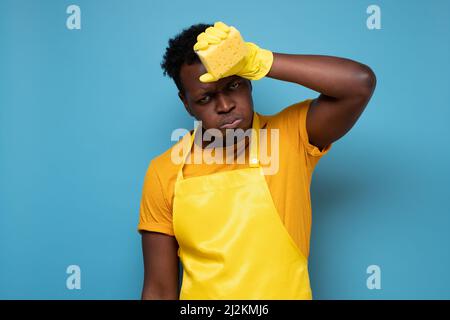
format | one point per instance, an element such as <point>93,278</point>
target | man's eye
<point>204,99</point>
<point>235,85</point>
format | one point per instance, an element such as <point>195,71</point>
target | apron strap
<point>254,141</point>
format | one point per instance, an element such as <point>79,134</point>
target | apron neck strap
<point>254,141</point>
<point>253,147</point>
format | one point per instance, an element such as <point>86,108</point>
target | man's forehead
<point>190,75</point>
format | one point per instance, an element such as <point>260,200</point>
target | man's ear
<point>186,105</point>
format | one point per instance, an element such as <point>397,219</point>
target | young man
<point>241,233</point>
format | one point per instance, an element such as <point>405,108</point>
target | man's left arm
<point>345,88</point>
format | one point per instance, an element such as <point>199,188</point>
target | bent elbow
<point>367,80</point>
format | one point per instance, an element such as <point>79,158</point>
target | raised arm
<point>160,267</point>
<point>345,88</point>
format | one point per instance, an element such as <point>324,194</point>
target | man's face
<point>223,104</point>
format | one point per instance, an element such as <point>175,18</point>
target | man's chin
<point>233,136</point>
<point>227,135</point>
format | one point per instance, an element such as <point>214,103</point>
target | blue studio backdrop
<point>84,107</point>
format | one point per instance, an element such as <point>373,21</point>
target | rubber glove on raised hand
<point>223,52</point>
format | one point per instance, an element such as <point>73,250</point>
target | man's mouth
<point>231,125</point>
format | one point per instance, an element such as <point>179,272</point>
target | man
<point>240,233</point>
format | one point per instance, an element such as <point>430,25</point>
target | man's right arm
<point>160,252</point>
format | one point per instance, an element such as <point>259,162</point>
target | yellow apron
<point>232,242</point>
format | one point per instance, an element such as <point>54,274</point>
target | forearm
<point>159,292</point>
<point>332,76</point>
<point>158,296</point>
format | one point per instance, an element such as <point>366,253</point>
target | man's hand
<point>223,52</point>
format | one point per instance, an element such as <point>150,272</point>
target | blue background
<point>82,113</point>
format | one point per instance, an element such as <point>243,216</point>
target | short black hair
<point>180,50</point>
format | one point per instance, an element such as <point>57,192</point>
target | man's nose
<point>224,103</point>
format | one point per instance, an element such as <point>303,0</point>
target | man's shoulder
<point>284,116</point>
<point>164,164</point>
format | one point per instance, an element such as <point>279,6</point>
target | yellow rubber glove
<point>223,52</point>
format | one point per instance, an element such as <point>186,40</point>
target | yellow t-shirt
<point>289,186</point>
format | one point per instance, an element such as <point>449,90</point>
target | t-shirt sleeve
<point>296,117</point>
<point>155,213</point>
